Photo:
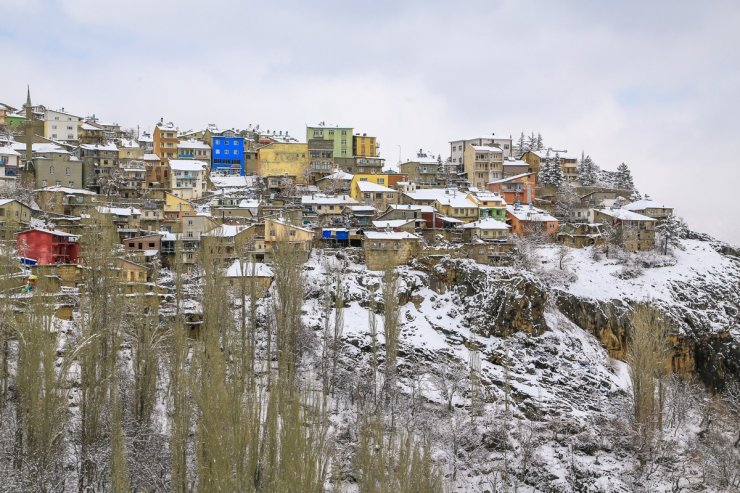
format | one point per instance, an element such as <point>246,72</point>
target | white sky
<point>654,84</point>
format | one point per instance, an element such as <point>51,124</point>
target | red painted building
<point>518,188</point>
<point>48,247</point>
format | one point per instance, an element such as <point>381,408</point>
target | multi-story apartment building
<point>457,148</point>
<point>325,143</point>
<point>227,152</point>
<point>422,170</point>
<point>194,149</point>
<point>98,161</point>
<point>61,126</point>
<point>483,164</point>
<point>188,178</point>
<point>53,165</point>
<point>365,146</point>
<point>284,159</point>
<point>165,141</point>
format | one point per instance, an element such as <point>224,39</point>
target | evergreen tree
<point>531,143</point>
<point>551,172</point>
<point>521,144</point>
<point>671,230</point>
<point>540,145</point>
<point>587,171</point>
<point>624,178</point>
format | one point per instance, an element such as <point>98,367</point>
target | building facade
<point>227,152</point>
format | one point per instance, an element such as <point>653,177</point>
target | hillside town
<point>243,309</point>
<point>176,189</point>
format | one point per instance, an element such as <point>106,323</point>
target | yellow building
<point>284,159</point>
<point>364,146</point>
<point>457,207</point>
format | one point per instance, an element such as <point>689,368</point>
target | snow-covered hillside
<point>553,405</point>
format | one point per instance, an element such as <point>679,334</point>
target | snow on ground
<point>698,261</point>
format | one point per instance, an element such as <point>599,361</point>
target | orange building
<point>526,220</point>
<point>165,141</point>
<point>517,188</point>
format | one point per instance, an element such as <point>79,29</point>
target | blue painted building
<point>227,152</point>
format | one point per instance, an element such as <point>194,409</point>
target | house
<point>284,159</point>
<point>408,225</point>
<point>194,149</point>
<point>53,165</point>
<point>126,219</point>
<point>43,247</point>
<point>431,218</point>
<point>527,219</point>
<point>188,178</point>
<point>165,141</point>
<point>568,162</point>
<point>10,163</point>
<point>98,163</point>
<point>280,232</point>
<point>489,204</point>
<point>360,216</point>
<point>387,249</point>
<point>483,164</point>
<point>65,200</point>
<point>457,206</point>
<point>227,152</point>
<point>650,208</point>
<point>61,126</point>
<point>371,193</point>
<point>132,272</point>
<point>14,215</point>
<point>146,243</point>
<point>422,170</point>
<point>365,146</point>
<point>228,241</point>
<point>369,165</point>
<point>324,144</point>
<point>249,276</point>
<point>458,147</point>
<point>325,209</point>
<point>487,229</point>
<point>337,182</point>
<point>513,167</point>
<point>515,189</point>
<point>635,231</point>
<point>426,196</point>
<point>580,235</point>
<point>92,133</point>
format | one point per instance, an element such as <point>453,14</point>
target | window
<point>53,136</point>
<point>236,142</point>
<point>68,171</point>
<point>69,127</point>
<point>331,132</point>
<point>71,184</point>
<point>51,170</point>
<point>226,151</point>
<point>53,127</point>
<point>344,132</point>
<point>344,142</point>
<point>218,151</point>
<point>218,142</point>
<point>44,183</point>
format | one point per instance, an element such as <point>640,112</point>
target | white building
<point>61,126</point>
<point>188,178</point>
<point>457,148</point>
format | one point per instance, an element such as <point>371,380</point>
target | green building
<point>325,143</point>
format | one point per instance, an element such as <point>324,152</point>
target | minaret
<point>28,175</point>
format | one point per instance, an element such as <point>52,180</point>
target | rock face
<point>498,302</point>
<point>713,356</point>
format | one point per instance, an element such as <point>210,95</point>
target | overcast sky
<point>655,84</point>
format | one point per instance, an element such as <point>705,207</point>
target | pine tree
<point>587,171</point>
<point>540,144</point>
<point>551,172</point>
<point>531,143</point>
<point>624,178</point>
<point>521,144</point>
<point>671,230</point>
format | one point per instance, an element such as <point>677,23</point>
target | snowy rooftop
<point>100,147</point>
<point>41,148</point>
<point>529,213</point>
<point>248,269</point>
<point>412,207</point>
<point>320,199</point>
<point>457,201</point>
<point>151,157</point>
<point>232,181</point>
<point>542,154</point>
<point>431,193</point>
<point>390,235</point>
<point>393,223</point>
<point>119,211</point>
<point>226,230</point>
<point>515,162</point>
<point>641,205</point>
<point>489,197</point>
<point>192,144</point>
<point>338,175</point>
<point>71,191</point>
<point>368,186</point>
<point>487,224</point>
<point>511,178</point>
<point>625,215</point>
<point>53,232</point>
<point>487,149</point>
<point>8,151</point>
<point>187,165</point>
